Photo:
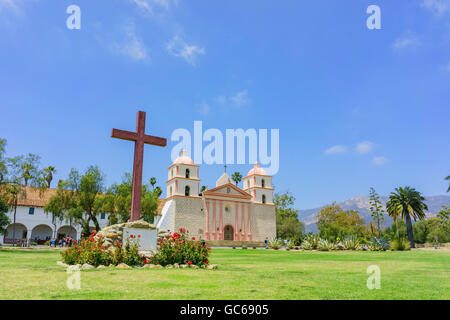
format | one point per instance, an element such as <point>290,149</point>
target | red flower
<point>189,262</point>
<point>139,235</point>
<point>193,238</point>
<point>206,262</point>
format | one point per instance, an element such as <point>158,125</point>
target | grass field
<point>242,274</point>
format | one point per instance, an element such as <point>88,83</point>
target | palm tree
<point>236,177</point>
<point>153,182</point>
<point>448,178</point>
<point>48,175</point>
<point>404,203</point>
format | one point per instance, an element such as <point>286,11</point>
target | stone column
<point>221,220</point>
<point>249,224</point>
<point>243,222</point>
<point>207,221</point>
<point>214,233</point>
<point>236,227</point>
<point>28,237</point>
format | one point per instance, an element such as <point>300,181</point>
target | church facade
<point>225,212</point>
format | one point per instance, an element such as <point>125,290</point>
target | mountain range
<point>362,205</point>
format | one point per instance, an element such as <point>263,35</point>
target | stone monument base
<point>144,234</point>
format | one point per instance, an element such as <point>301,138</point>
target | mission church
<point>225,212</point>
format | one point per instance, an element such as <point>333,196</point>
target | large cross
<point>140,138</point>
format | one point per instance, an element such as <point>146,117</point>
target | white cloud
<point>179,48</point>
<point>437,7</point>
<point>379,161</point>
<point>336,149</point>
<point>147,6</point>
<point>364,147</point>
<point>132,47</point>
<point>409,41</point>
<point>240,99</point>
<point>204,108</point>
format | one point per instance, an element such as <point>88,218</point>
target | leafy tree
<point>56,207</point>
<point>404,203</point>
<point>203,188</point>
<point>448,178</point>
<point>3,168</point>
<point>333,223</point>
<point>284,205</point>
<point>4,220</point>
<point>376,209</point>
<point>80,198</point>
<point>288,226</point>
<point>444,213</point>
<point>117,201</point>
<point>426,230</point>
<point>21,171</point>
<point>48,175</point>
<point>236,177</point>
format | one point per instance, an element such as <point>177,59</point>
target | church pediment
<point>228,189</point>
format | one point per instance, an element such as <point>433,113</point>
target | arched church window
<point>187,173</point>
<point>263,183</point>
<point>263,198</point>
<point>170,191</point>
<point>187,191</point>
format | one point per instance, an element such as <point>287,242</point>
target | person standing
<point>267,243</point>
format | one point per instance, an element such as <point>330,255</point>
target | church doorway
<point>228,233</point>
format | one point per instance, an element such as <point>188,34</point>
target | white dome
<point>257,170</point>
<point>184,158</point>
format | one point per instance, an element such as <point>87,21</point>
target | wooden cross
<point>140,138</point>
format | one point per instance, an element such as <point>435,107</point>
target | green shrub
<point>181,249</point>
<point>400,244</point>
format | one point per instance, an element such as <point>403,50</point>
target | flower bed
<point>179,248</point>
<point>92,251</point>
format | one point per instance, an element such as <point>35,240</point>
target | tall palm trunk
<point>410,230</point>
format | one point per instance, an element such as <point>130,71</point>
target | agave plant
<point>275,244</point>
<point>350,243</point>
<point>313,239</point>
<point>323,245</point>
<point>378,244</point>
<point>306,245</point>
<point>290,245</point>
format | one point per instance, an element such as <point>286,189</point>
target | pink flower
<point>189,262</point>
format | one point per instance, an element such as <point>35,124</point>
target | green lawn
<point>242,274</point>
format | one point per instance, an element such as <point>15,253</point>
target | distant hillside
<point>361,204</point>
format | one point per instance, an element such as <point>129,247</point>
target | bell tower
<point>259,185</point>
<point>183,177</point>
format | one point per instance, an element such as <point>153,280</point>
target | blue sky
<point>355,107</point>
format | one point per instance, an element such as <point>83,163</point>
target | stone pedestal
<point>145,238</point>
